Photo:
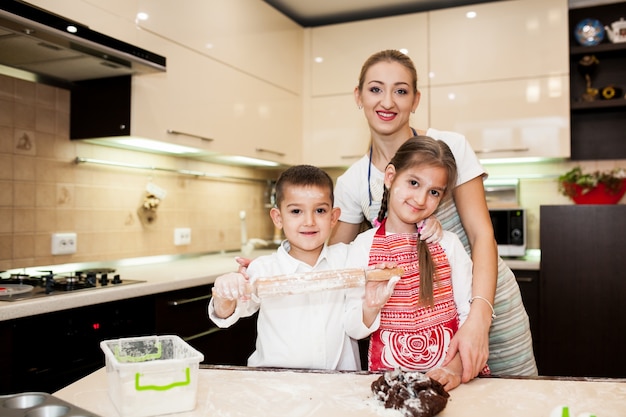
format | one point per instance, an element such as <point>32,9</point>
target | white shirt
<point>352,191</point>
<point>315,330</point>
<point>460,265</point>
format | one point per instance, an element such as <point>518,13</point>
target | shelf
<point>598,104</point>
<point>601,49</point>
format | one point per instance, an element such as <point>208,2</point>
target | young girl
<point>432,298</point>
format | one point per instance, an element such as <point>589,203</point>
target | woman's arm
<point>344,232</point>
<point>472,339</point>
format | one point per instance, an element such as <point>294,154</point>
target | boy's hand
<point>232,286</point>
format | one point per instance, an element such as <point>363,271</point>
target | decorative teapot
<point>617,31</point>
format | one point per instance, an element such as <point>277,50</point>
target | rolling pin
<point>307,282</point>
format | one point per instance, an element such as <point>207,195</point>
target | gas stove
<point>20,286</point>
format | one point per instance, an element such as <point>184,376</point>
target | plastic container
<point>151,375</point>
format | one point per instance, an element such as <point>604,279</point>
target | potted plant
<point>607,187</point>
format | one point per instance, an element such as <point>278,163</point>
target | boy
<point>315,330</point>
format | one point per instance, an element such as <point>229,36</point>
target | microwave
<point>509,228</point>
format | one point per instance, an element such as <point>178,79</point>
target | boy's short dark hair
<point>304,175</point>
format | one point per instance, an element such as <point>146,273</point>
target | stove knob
<point>104,279</point>
<point>91,279</point>
<point>116,279</point>
<point>49,278</point>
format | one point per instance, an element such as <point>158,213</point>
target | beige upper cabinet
<point>250,36</point>
<point>503,40</point>
<point>337,52</point>
<point>501,78</point>
<point>507,118</point>
<point>335,130</point>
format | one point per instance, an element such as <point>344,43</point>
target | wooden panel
<point>583,285</point>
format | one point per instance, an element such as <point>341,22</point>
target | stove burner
<point>50,283</point>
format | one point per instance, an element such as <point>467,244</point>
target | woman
<point>387,93</point>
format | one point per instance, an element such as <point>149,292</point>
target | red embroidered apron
<point>412,336</point>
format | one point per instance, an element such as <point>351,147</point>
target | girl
<point>433,296</point>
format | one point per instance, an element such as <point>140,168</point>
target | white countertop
<point>246,392</point>
<point>161,275</point>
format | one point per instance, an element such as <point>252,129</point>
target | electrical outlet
<point>182,236</point>
<point>64,243</point>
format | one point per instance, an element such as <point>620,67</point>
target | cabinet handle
<point>176,132</point>
<point>269,151</point>
<point>502,150</point>
<point>350,156</point>
<point>524,279</point>
<point>202,334</point>
<point>188,300</point>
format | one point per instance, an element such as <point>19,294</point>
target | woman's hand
<point>430,230</point>
<point>471,343</point>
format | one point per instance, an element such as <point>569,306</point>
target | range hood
<point>55,50</point>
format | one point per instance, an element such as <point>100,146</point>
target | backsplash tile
<point>43,191</point>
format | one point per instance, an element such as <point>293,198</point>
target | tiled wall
<point>42,191</point>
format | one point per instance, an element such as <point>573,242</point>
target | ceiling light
<point>71,29</point>
<point>142,16</point>
<point>470,15</point>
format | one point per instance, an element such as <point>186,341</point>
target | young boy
<point>316,330</point>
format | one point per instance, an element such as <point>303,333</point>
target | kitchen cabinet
<point>493,87</point>
<point>598,126</point>
<point>507,118</point>
<point>528,282</point>
<point>583,283</point>
<point>184,313</point>
<point>249,36</point>
<point>335,130</point>
<point>505,40</point>
<point>338,51</point>
<point>49,351</point>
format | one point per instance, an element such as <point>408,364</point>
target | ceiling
<point>309,13</point>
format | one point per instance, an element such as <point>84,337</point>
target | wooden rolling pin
<point>307,282</point>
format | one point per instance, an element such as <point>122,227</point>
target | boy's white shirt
<point>316,330</point>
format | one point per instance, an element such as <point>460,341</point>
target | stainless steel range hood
<point>57,50</point>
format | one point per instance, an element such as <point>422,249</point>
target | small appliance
<point>509,228</point>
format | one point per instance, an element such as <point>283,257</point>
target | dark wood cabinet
<point>184,313</point>
<point>598,128</point>
<point>583,290</point>
<point>528,282</point>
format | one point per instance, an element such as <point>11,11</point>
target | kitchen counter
<point>247,392</point>
<point>160,273</point>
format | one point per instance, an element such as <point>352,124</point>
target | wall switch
<point>63,243</point>
<point>182,236</point>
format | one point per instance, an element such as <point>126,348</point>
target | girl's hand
<point>377,293</point>
<point>430,230</point>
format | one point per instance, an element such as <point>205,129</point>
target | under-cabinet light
<point>153,145</point>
